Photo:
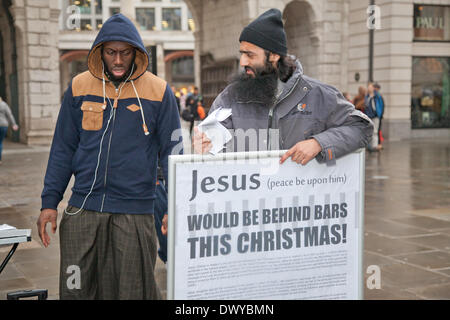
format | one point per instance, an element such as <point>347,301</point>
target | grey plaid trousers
<point>115,255</point>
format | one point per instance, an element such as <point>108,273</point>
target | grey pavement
<point>407,220</point>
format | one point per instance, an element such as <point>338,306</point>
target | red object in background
<point>380,136</point>
<point>201,112</point>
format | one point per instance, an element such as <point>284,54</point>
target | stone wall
<point>332,42</point>
<point>302,39</point>
<point>317,41</point>
<point>391,62</point>
<point>392,65</point>
<point>221,25</point>
<point>7,53</point>
<point>37,28</point>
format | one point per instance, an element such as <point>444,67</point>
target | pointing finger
<point>286,155</point>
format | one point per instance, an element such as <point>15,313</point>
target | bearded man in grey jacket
<point>276,107</point>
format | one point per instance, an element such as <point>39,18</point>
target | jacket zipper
<point>271,112</point>
<point>109,148</point>
<point>269,126</point>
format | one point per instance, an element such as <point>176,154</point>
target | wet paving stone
<point>436,241</point>
<point>389,293</point>
<point>15,284</point>
<point>377,259</point>
<point>387,246</point>
<point>11,272</point>
<point>434,292</point>
<point>424,222</point>
<point>429,260</point>
<point>406,222</point>
<point>394,230</point>
<point>404,276</point>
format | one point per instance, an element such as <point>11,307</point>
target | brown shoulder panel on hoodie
<point>85,83</point>
<point>148,86</point>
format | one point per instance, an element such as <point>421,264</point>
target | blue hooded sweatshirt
<point>100,135</point>
<point>379,106</point>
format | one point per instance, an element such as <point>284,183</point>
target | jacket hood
<point>118,28</point>
<point>299,67</point>
<point>293,80</point>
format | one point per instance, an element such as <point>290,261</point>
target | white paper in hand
<point>215,131</point>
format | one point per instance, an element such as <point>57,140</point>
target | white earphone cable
<point>144,125</point>
<point>103,136</point>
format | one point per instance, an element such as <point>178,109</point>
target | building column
<point>330,43</point>
<point>197,63</point>
<point>38,68</point>
<point>128,10</point>
<point>392,66</point>
<point>160,64</point>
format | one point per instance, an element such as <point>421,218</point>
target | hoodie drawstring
<point>144,126</point>
<point>104,89</point>
<point>104,132</point>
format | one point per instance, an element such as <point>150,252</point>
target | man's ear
<point>274,57</point>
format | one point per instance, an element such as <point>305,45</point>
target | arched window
<point>183,69</point>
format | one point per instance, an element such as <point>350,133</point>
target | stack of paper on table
<point>9,234</point>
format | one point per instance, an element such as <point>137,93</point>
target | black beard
<point>114,79</point>
<point>261,88</point>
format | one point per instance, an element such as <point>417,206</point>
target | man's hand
<point>15,127</point>
<point>47,215</point>
<point>164,225</point>
<point>200,142</point>
<point>302,152</point>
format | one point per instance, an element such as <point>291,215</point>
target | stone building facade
<point>30,66</point>
<point>165,26</point>
<point>330,37</point>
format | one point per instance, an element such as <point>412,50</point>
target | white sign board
<point>241,226</point>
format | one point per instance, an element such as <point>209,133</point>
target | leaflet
<point>215,131</point>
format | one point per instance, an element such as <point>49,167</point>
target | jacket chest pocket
<point>296,129</point>
<point>92,115</point>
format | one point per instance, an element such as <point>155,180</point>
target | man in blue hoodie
<point>374,109</point>
<point>114,121</point>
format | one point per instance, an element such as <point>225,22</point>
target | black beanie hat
<point>267,32</point>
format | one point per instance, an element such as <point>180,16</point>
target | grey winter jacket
<point>6,117</point>
<point>306,108</point>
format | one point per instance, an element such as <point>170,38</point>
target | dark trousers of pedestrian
<point>160,211</point>
<point>3,131</point>
<point>107,256</point>
<point>375,135</point>
<point>379,131</point>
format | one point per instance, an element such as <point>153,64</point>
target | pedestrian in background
<point>183,95</point>
<point>177,98</point>
<point>194,100</point>
<point>6,119</point>
<point>101,137</point>
<point>359,100</point>
<point>161,215</point>
<point>377,88</point>
<point>374,108</point>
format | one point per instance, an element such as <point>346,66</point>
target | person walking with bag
<point>374,109</point>
<point>194,103</point>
